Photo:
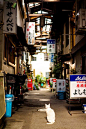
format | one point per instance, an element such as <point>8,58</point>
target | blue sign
<point>51,41</point>
<point>78,77</point>
<point>51,45</point>
<point>52,57</point>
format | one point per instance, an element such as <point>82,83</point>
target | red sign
<point>54,80</point>
<point>30,84</point>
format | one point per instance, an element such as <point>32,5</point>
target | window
<point>33,58</point>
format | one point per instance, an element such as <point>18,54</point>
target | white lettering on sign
<point>77,86</point>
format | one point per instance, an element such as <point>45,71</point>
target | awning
<point>65,57</point>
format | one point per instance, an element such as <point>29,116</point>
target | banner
<point>10,17</point>
<point>30,33</point>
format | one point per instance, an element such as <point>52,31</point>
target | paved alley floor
<point>27,116</point>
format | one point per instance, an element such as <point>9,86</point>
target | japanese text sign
<point>30,33</point>
<point>54,83</point>
<point>78,86</point>
<point>52,57</point>
<point>61,85</point>
<point>51,45</point>
<point>10,17</point>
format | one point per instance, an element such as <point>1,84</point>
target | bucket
<point>61,95</point>
<point>84,106</point>
<point>8,100</point>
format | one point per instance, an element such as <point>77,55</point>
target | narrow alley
<point>28,117</point>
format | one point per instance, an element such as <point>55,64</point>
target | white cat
<point>50,113</point>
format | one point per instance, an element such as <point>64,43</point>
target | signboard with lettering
<point>77,86</point>
<point>54,83</point>
<point>51,45</point>
<point>30,33</point>
<point>10,17</point>
<point>52,57</point>
<point>61,85</point>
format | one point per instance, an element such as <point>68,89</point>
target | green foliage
<point>55,59</point>
<point>36,85</point>
<point>37,79</point>
<point>57,69</point>
<point>40,79</point>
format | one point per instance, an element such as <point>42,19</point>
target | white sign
<point>61,85</point>
<point>54,83</point>
<point>51,45</point>
<point>51,80</point>
<point>47,75</point>
<point>77,86</point>
<point>10,17</point>
<point>30,33</point>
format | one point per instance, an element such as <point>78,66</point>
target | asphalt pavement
<point>28,117</point>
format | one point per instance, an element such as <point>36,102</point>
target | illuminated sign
<point>78,86</point>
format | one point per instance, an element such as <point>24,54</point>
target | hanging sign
<point>51,46</point>
<point>30,33</point>
<point>61,85</point>
<point>77,86</point>
<point>10,17</point>
<point>52,57</point>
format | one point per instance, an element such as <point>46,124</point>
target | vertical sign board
<point>51,45</point>
<point>30,84</point>
<point>30,33</point>
<point>52,57</point>
<point>77,86</point>
<point>61,85</point>
<point>10,17</point>
<point>54,83</point>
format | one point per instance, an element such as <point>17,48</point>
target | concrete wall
<point>78,38</point>
<point>8,69</point>
<point>78,62</point>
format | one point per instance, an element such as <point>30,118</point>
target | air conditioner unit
<point>80,22</point>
